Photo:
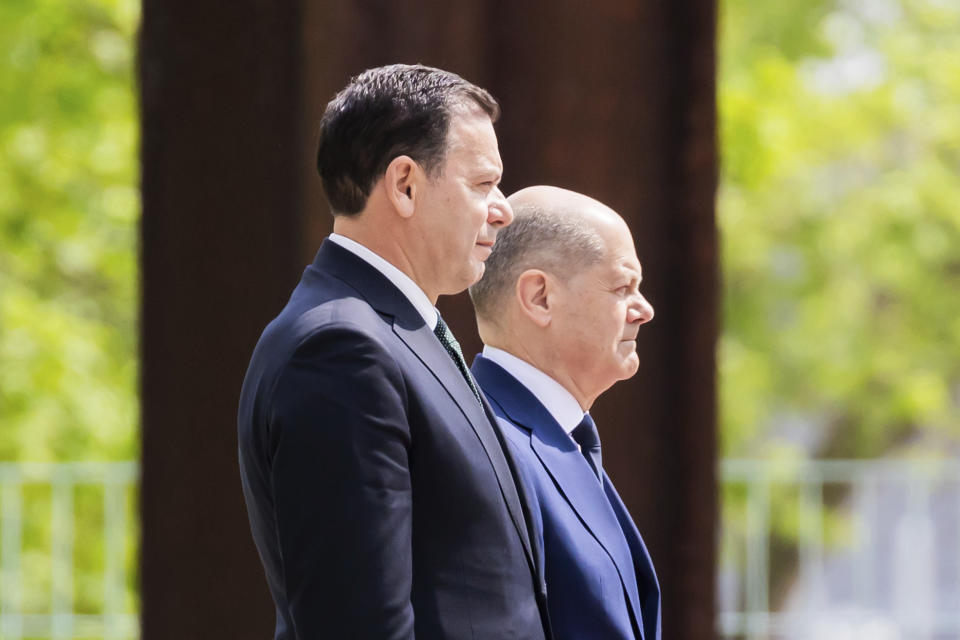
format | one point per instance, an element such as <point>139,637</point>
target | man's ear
<point>401,181</point>
<point>535,292</point>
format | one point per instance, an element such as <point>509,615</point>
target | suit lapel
<point>526,505</point>
<point>409,326</point>
<point>576,480</point>
<point>648,587</point>
<point>428,349</point>
<point>563,461</point>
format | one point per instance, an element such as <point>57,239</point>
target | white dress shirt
<point>558,401</point>
<point>400,280</point>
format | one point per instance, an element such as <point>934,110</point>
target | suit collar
<point>566,465</point>
<point>410,289</point>
<point>372,285</point>
<point>519,404</point>
<point>561,404</point>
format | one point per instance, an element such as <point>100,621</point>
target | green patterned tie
<point>443,333</point>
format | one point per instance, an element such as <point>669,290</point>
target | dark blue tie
<point>587,437</point>
<point>443,333</point>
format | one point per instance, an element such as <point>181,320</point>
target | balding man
<point>558,310</point>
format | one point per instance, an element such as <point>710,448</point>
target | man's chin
<point>631,365</point>
<point>468,277</point>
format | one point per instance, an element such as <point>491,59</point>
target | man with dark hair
<point>387,112</point>
<point>381,498</point>
<point>559,308</point>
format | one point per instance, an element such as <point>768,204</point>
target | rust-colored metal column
<point>617,100</point>
<point>222,127</point>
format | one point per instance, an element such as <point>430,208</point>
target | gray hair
<point>558,242</point>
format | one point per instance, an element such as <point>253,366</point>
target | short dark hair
<point>558,241</point>
<point>387,112</point>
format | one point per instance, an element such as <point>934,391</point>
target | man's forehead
<point>465,125</point>
<point>476,154</point>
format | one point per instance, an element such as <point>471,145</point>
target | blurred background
<point>837,370</point>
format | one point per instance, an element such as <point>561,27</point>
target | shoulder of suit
<point>340,320</point>
<point>341,312</point>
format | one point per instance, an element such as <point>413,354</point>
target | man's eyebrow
<point>489,169</point>
<point>632,275</point>
<point>624,278</point>
<point>487,175</point>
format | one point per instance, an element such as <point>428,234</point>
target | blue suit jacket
<point>589,541</point>
<point>381,498</point>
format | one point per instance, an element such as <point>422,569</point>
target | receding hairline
<point>554,235</point>
<point>468,102</point>
<point>561,201</point>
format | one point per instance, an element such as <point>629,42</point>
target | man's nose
<point>641,310</point>
<point>500,213</point>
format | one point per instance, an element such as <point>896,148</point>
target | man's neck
<point>400,280</point>
<point>541,360</point>
<point>383,243</point>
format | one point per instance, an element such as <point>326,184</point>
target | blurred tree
<point>840,138</point>
<point>68,272</point>
<point>68,211</point>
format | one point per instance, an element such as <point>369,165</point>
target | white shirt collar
<point>558,401</point>
<point>400,280</point>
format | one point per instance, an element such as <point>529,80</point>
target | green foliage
<point>68,212</point>
<point>840,135</point>
<point>68,272</point>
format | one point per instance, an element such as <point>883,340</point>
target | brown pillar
<point>616,101</point>
<point>222,127</point>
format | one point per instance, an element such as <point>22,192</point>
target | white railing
<point>873,550</point>
<point>865,550</point>
<point>43,538</point>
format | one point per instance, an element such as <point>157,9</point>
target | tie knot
<point>587,437</point>
<point>586,434</point>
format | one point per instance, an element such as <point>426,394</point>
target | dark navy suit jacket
<point>381,498</point>
<point>590,544</point>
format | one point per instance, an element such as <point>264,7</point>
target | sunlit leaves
<point>840,134</point>
<point>68,211</point>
